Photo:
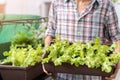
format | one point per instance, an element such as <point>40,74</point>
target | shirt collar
<point>69,0</point>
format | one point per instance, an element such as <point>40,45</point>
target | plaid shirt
<point>65,20</point>
<point>96,20</point>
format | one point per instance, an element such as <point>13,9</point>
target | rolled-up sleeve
<point>51,21</point>
<point>112,23</point>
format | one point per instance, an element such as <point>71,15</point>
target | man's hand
<point>115,73</point>
<point>48,40</point>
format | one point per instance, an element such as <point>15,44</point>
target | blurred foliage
<point>30,36</point>
<point>114,1</point>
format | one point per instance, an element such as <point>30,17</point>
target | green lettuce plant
<point>92,54</point>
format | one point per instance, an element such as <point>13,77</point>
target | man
<point>82,20</point>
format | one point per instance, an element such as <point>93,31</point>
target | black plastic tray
<point>9,72</point>
<point>71,69</point>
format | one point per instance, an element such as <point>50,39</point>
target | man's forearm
<point>117,50</point>
<point>48,40</point>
